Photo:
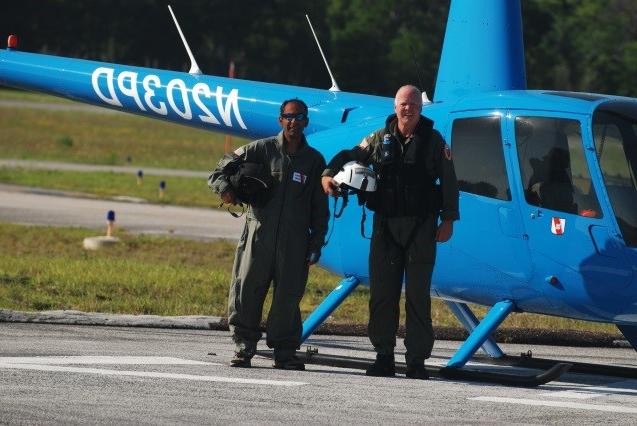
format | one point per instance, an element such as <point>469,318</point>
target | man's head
<point>408,104</point>
<point>293,119</point>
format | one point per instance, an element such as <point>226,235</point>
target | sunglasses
<point>298,117</point>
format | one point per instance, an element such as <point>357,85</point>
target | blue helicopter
<point>548,179</point>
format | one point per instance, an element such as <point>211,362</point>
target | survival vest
<point>406,181</point>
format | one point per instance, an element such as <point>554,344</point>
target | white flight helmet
<point>357,177</point>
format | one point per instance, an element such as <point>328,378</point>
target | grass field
<point>179,191</point>
<point>97,138</point>
<point>21,95</point>
<point>106,139</point>
<point>43,268</point>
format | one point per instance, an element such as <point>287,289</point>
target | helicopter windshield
<point>615,136</point>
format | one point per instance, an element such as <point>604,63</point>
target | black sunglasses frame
<point>298,117</point>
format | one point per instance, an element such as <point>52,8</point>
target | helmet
<point>357,177</point>
<point>252,184</point>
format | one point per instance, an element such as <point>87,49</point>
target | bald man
<point>411,213</point>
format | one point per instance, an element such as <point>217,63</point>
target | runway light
<point>162,188</point>
<point>140,177</point>
<point>12,42</point>
<point>110,222</point>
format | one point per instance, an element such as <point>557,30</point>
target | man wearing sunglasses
<point>409,156</point>
<point>282,237</point>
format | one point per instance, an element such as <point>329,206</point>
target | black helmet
<point>252,184</point>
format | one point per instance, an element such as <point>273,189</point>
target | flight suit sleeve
<point>448,182</point>
<point>320,213</point>
<point>219,179</point>
<point>361,153</point>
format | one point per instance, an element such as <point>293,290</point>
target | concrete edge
<point>69,317</point>
<point>194,322</point>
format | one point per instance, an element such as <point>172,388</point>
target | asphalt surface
<point>62,374</point>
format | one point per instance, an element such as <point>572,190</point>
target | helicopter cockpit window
<point>553,167</point>
<point>615,135</point>
<point>478,157</point>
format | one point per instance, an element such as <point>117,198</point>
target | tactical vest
<point>405,185</point>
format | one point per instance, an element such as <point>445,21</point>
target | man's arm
<point>219,181</point>
<point>320,215</point>
<point>360,153</point>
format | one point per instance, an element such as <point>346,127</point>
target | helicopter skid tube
<point>527,361</point>
<point>311,356</point>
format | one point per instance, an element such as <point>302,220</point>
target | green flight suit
<point>407,206</point>
<point>276,241</point>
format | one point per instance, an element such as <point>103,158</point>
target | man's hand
<point>445,230</point>
<point>228,197</point>
<point>313,257</point>
<point>329,185</point>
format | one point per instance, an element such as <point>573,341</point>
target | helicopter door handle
<point>537,213</point>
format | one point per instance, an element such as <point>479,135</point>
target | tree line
<point>373,46</point>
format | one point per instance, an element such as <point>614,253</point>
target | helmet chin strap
<point>344,192</point>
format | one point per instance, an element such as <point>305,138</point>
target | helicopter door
<point>488,238</point>
<point>560,207</point>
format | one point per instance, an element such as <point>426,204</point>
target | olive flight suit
<point>407,204</point>
<point>277,239</point>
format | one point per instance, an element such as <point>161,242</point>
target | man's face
<point>293,120</point>
<point>408,106</point>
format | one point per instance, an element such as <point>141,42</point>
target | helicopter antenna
<point>194,68</point>
<point>425,98</point>
<point>334,87</point>
<point>418,70</point>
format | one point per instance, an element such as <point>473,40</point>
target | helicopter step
<point>311,356</point>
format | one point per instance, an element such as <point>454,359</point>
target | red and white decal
<point>299,177</point>
<point>558,225</point>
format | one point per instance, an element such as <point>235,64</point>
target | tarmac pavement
<point>64,374</point>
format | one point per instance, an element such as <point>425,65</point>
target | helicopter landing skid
<point>311,356</point>
<point>527,360</point>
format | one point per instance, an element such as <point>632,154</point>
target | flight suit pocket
<point>423,247</point>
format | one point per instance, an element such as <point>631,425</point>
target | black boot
<point>286,359</point>
<point>293,363</point>
<point>416,370</point>
<point>242,359</point>
<point>383,366</point>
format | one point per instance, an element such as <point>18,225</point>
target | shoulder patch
<point>365,142</point>
<point>239,151</point>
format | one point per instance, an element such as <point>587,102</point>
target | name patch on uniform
<point>299,177</point>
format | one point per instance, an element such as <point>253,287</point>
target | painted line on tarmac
<point>588,392</point>
<point>147,374</point>
<point>558,404</point>
<point>136,360</point>
<point>572,394</point>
